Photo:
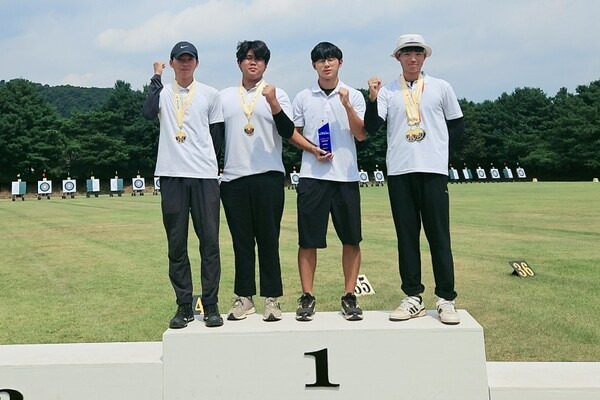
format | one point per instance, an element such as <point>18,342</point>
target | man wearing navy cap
<point>423,120</point>
<point>191,123</point>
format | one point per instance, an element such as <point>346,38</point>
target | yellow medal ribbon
<point>412,99</point>
<point>181,107</point>
<point>249,108</point>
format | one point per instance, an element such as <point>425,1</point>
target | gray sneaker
<point>242,307</point>
<point>272,309</point>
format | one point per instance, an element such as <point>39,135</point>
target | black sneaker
<point>350,310</point>
<point>306,307</point>
<point>183,315</point>
<point>212,317</point>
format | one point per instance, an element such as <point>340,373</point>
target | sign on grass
<point>363,286</point>
<point>521,268</point>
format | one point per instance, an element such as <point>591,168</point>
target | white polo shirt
<point>312,107</point>
<point>257,153</point>
<point>195,158</point>
<point>438,104</point>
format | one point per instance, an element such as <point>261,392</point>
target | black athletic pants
<point>417,197</point>
<point>254,207</point>
<point>181,197</point>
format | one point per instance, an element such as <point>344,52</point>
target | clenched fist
<point>345,97</point>
<point>374,86</point>
<point>159,66</point>
<point>270,92</point>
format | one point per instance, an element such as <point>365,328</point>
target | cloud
<point>481,48</point>
<point>214,22</point>
<point>78,79</point>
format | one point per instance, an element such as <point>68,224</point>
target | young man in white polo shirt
<point>257,116</point>
<point>329,113</point>
<point>190,116</point>
<point>423,120</point>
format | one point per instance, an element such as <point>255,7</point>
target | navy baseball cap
<point>182,48</point>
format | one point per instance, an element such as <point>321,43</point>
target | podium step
<point>327,358</point>
<point>90,371</point>
<point>544,380</point>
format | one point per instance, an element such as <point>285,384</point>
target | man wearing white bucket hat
<point>423,120</point>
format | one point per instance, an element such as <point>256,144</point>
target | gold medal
<point>249,129</point>
<point>180,137</point>
<point>412,102</point>
<point>181,106</point>
<point>249,108</point>
<point>415,134</point>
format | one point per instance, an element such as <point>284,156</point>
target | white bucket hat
<point>411,40</point>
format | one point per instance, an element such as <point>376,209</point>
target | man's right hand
<point>321,154</point>
<point>159,66</point>
<point>374,86</point>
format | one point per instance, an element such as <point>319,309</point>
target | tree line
<point>74,131</point>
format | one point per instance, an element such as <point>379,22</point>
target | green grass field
<point>95,270</point>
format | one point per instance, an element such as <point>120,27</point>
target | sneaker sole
<point>304,318</point>
<point>450,323</point>
<point>271,318</point>
<point>214,324</point>
<point>455,322</point>
<point>187,320</point>
<point>353,317</point>
<point>232,317</point>
<point>421,313</point>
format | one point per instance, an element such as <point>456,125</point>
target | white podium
<point>90,371</point>
<point>327,358</point>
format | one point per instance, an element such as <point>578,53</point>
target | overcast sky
<point>483,48</point>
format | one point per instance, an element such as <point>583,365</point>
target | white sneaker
<point>410,307</point>
<point>447,312</point>
<point>242,307</point>
<point>272,310</point>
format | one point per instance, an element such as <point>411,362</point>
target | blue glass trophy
<point>325,137</point>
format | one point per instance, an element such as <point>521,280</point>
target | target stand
<point>156,190</point>
<point>44,189</point>
<point>453,174</point>
<point>495,174</point>
<point>93,187</point>
<point>481,175</point>
<point>116,186</point>
<point>69,188</point>
<point>379,178</point>
<point>521,172</point>
<point>363,178</point>
<point>138,186</point>
<point>18,189</point>
<point>508,174</point>
<point>467,174</point>
<point>294,179</point>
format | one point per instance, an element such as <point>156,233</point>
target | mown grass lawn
<point>95,269</point>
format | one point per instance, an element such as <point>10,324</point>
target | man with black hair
<point>329,113</point>
<point>257,116</point>
<point>190,129</point>
<point>423,120</point>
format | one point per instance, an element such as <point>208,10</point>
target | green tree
<point>574,134</point>
<point>95,144</point>
<point>471,148</point>
<point>31,139</point>
<point>140,135</point>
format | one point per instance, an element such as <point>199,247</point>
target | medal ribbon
<point>412,99</point>
<point>181,106</point>
<point>249,108</point>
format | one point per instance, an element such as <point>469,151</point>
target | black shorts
<point>316,199</point>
